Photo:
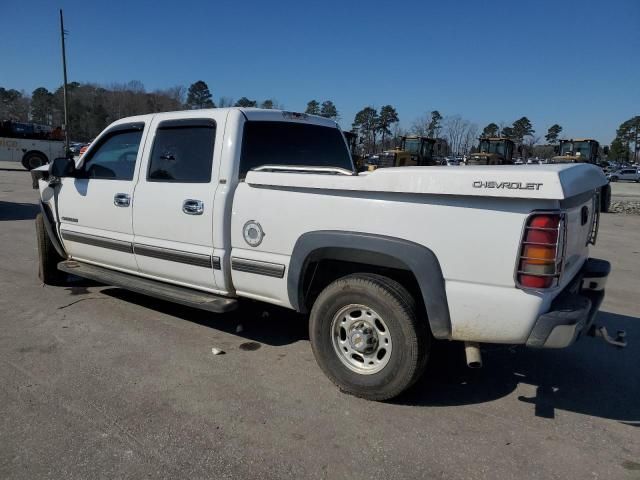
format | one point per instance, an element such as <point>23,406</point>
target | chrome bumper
<point>574,310</point>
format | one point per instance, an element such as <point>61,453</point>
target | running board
<point>153,288</point>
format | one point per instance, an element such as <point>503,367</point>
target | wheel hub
<point>363,338</point>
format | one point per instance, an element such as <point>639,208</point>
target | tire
<point>613,179</point>
<point>33,160</point>
<point>48,258</point>
<point>381,302</point>
<point>605,199</point>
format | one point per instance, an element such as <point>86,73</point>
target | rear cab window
<point>292,144</point>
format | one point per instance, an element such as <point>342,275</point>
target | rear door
<point>95,206</point>
<point>173,217</point>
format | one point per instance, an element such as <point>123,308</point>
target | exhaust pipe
<point>472,352</point>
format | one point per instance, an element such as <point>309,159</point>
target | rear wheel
<point>48,258</point>
<point>368,337</point>
<point>33,160</point>
<point>613,179</point>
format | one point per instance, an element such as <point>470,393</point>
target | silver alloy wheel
<point>361,339</point>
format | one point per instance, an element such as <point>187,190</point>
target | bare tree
<point>470,138</point>
<point>460,134</point>
<point>419,125</point>
<point>226,102</point>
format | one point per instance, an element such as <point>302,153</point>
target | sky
<point>576,63</point>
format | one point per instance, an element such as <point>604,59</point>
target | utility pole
<point>64,87</point>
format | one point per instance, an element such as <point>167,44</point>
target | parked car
<point>224,204</point>
<point>84,148</point>
<point>630,174</point>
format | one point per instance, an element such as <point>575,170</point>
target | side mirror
<point>62,167</point>
<point>605,149</point>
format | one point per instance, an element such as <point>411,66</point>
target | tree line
<point>92,107</point>
<point>626,145</point>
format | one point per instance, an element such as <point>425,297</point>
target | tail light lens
<point>541,251</point>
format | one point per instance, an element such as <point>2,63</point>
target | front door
<point>173,212</point>
<point>95,206</point>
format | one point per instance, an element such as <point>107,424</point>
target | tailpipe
<point>472,352</point>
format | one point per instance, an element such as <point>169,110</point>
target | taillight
<point>541,251</point>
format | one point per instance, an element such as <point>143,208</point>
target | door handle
<point>121,200</point>
<point>193,207</point>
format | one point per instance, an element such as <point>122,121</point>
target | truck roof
<point>254,114</point>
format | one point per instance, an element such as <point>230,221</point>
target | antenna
<point>63,32</point>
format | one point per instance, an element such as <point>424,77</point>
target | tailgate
<point>581,225</point>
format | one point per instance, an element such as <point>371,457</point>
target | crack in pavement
<point>82,300</point>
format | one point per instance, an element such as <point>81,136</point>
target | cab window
<point>292,144</point>
<point>183,152</point>
<point>114,158</point>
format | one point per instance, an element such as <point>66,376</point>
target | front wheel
<point>48,258</point>
<point>368,337</point>
<point>613,179</point>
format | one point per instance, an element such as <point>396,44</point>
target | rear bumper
<point>573,311</point>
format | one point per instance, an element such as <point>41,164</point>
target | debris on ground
<point>626,207</point>
<point>217,351</point>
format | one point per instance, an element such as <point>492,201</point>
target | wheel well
<point>320,273</point>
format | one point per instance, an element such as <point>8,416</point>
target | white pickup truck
<point>206,207</point>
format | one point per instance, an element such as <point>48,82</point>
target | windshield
<point>487,146</point>
<point>573,148</point>
<point>412,145</point>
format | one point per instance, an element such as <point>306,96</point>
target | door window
<point>183,152</point>
<point>114,158</point>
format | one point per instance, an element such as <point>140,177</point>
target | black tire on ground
<point>407,328</point>
<point>33,160</point>
<point>48,258</point>
<point>605,198</point>
<point>613,179</point>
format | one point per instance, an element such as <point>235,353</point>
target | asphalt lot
<point>97,382</point>
<point>625,191</point>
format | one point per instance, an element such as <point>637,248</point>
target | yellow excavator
<point>493,151</point>
<point>579,150</point>
<point>583,150</point>
<point>414,150</point>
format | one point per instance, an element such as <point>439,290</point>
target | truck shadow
<point>591,377</point>
<point>256,321</point>
<point>18,211</point>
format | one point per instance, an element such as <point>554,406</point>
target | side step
<point>153,288</point>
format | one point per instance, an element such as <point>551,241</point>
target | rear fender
<point>370,249</point>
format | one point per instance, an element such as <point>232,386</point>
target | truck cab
<point>583,150</point>
<point>580,150</point>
